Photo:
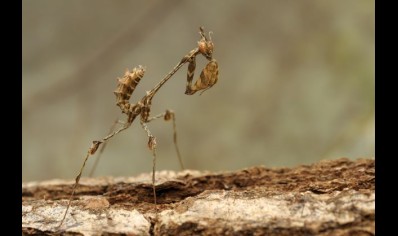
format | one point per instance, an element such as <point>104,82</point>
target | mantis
<point>128,83</point>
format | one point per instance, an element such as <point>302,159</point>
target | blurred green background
<point>296,83</point>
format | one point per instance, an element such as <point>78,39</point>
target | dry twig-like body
<point>142,108</point>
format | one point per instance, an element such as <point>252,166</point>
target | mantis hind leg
<point>170,115</point>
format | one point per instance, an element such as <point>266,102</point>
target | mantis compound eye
<point>206,48</point>
<point>205,45</point>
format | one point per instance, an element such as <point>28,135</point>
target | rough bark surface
<point>327,198</point>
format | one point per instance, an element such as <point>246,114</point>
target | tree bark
<point>327,198</point>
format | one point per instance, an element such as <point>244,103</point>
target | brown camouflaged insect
<point>128,83</point>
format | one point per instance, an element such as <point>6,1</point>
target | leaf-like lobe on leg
<point>126,87</point>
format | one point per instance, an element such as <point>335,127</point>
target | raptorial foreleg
<point>207,79</point>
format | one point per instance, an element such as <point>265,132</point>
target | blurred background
<point>296,83</point>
